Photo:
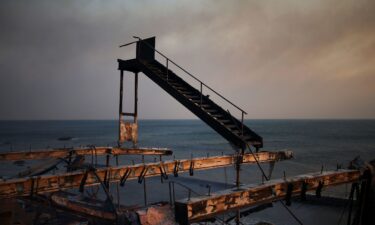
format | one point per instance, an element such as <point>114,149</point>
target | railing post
<point>167,69</point>
<point>242,123</point>
<point>201,93</point>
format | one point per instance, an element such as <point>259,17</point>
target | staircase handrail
<point>187,72</point>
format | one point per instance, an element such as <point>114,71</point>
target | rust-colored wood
<point>83,206</point>
<point>61,153</point>
<point>51,183</point>
<point>199,208</point>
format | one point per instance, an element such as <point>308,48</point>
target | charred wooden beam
<point>82,206</point>
<point>51,183</point>
<point>200,208</point>
<point>41,168</point>
<point>61,153</point>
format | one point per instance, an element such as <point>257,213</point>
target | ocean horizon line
<point>194,119</point>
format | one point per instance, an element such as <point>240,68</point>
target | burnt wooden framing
<point>200,208</point>
<point>62,153</point>
<point>51,183</point>
<point>221,120</point>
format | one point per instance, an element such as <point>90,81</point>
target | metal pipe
<point>144,184</point>
<point>117,187</point>
<point>145,191</point>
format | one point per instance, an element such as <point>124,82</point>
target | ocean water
<point>315,143</point>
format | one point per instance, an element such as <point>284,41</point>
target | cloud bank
<point>276,59</point>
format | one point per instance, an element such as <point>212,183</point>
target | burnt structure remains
<point>71,196</point>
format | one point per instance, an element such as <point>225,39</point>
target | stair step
<point>231,126</point>
<point>180,88</point>
<point>175,83</point>
<point>159,72</point>
<point>225,121</point>
<point>211,110</point>
<point>192,96</point>
<point>186,92</point>
<point>206,106</point>
<point>217,115</point>
<point>153,68</point>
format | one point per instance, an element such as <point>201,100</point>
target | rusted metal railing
<point>202,84</point>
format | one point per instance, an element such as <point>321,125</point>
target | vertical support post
<point>144,191</point>
<point>120,104</point>
<point>167,69</point>
<point>238,216</point>
<point>117,187</point>
<point>144,184</point>
<point>201,93</point>
<point>242,115</point>
<point>135,97</point>
<point>107,176</point>
<point>366,203</point>
<point>238,168</point>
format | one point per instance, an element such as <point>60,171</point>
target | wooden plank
<point>61,153</point>
<point>82,206</point>
<point>51,183</point>
<point>204,207</point>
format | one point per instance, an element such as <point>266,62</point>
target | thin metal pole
<point>117,187</point>
<point>145,191</point>
<point>144,184</point>
<point>238,216</point>
<point>238,168</point>
<point>107,173</point>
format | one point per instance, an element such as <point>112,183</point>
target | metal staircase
<point>232,129</point>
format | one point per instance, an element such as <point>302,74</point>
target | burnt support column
<point>128,131</point>
<point>136,98</point>
<point>120,104</point>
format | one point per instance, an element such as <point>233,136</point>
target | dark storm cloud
<point>276,58</point>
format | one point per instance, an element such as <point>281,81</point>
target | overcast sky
<point>275,59</point>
